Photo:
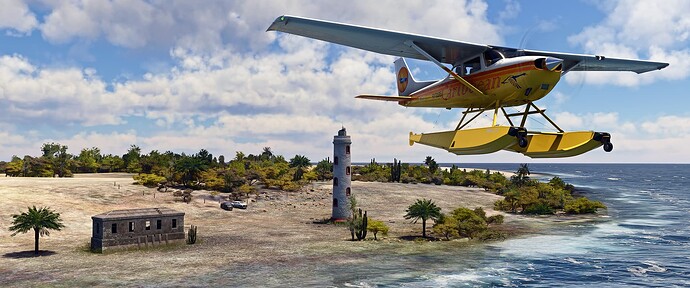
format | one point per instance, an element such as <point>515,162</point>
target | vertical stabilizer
<point>404,80</point>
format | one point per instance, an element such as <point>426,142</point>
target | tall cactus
<point>360,223</point>
<point>396,170</point>
<point>191,235</point>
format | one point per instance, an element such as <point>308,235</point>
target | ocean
<point>643,242</point>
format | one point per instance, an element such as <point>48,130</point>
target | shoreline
<point>277,227</point>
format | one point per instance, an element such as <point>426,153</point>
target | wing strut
<point>455,75</point>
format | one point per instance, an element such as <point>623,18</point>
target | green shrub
<point>583,206</point>
<point>469,223</point>
<point>495,219</point>
<point>148,180</point>
<point>375,226</point>
<point>539,209</point>
<point>502,205</point>
<point>490,234</point>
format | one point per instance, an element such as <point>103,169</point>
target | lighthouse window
<point>347,191</point>
<point>347,149</point>
<point>347,170</point>
<point>335,160</point>
<point>335,202</point>
<point>335,181</point>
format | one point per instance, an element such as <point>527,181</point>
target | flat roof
<point>138,213</point>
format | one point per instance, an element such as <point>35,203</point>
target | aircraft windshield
<point>492,56</point>
<point>471,66</point>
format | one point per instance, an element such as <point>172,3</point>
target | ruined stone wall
<point>140,232</point>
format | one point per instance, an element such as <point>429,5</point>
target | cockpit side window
<point>491,56</point>
<point>471,66</point>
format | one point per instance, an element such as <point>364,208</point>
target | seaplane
<point>481,78</point>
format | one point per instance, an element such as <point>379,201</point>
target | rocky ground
<point>277,227</point>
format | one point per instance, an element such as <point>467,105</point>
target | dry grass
<point>272,231</point>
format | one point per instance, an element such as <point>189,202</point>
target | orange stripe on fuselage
<point>480,76</point>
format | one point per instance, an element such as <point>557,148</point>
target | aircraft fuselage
<point>511,81</point>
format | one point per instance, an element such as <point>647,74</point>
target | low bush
<point>583,206</point>
<point>148,180</point>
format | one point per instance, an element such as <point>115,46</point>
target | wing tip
<point>280,19</point>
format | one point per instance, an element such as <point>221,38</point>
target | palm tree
<point>521,175</point>
<point>423,209</point>
<point>266,154</point>
<point>300,161</point>
<point>41,220</point>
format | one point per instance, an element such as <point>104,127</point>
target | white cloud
<point>217,24</point>
<point>667,126</point>
<point>15,15</point>
<point>510,10</point>
<point>233,86</point>
<point>639,30</point>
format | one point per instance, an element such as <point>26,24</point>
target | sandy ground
<point>276,227</point>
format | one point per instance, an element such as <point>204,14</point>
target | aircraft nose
<point>554,64</point>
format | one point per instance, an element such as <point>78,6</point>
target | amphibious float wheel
<point>608,147</point>
<point>522,142</point>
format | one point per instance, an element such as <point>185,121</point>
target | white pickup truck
<point>239,204</point>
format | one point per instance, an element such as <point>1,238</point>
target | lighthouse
<point>341,176</point>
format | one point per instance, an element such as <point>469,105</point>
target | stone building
<point>145,227</point>
<point>341,176</point>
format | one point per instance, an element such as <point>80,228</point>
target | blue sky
<point>184,75</point>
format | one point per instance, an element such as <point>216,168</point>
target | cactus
<point>360,222</point>
<point>191,235</point>
<point>396,170</point>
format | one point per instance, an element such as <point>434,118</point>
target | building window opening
<point>347,170</point>
<point>131,226</point>
<point>335,160</point>
<point>335,181</point>
<point>148,225</point>
<point>174,223</point>
<point>347,191</point>
<point>335,202</point>
<point>113,228</point>
<point>347,149</point>
<point>159,224</point>
<point>98,228</point>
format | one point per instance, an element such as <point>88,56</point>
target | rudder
<point>405,81</point>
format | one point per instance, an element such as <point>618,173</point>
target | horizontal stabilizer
<point>385,98</point>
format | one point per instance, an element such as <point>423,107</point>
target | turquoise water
<point>643,242</point>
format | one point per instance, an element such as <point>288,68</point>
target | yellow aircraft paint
<point>556,145</point>
<point>512,85</point>
<point>468,141</point>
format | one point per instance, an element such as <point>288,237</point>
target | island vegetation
<point>201,170</point>
<point>245,173</point>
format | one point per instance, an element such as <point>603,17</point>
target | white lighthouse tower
<point>341,176</point>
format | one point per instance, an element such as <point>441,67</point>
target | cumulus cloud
<point>230,86</point>
<point>659,140</point>
<point>217,24</point>
<point>639,30</point>
<point>16,16</point>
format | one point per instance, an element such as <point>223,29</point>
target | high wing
<point>443,50</point>
<point>378,40</point>
<point>582,62</point>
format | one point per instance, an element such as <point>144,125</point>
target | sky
<point>186,75</point>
